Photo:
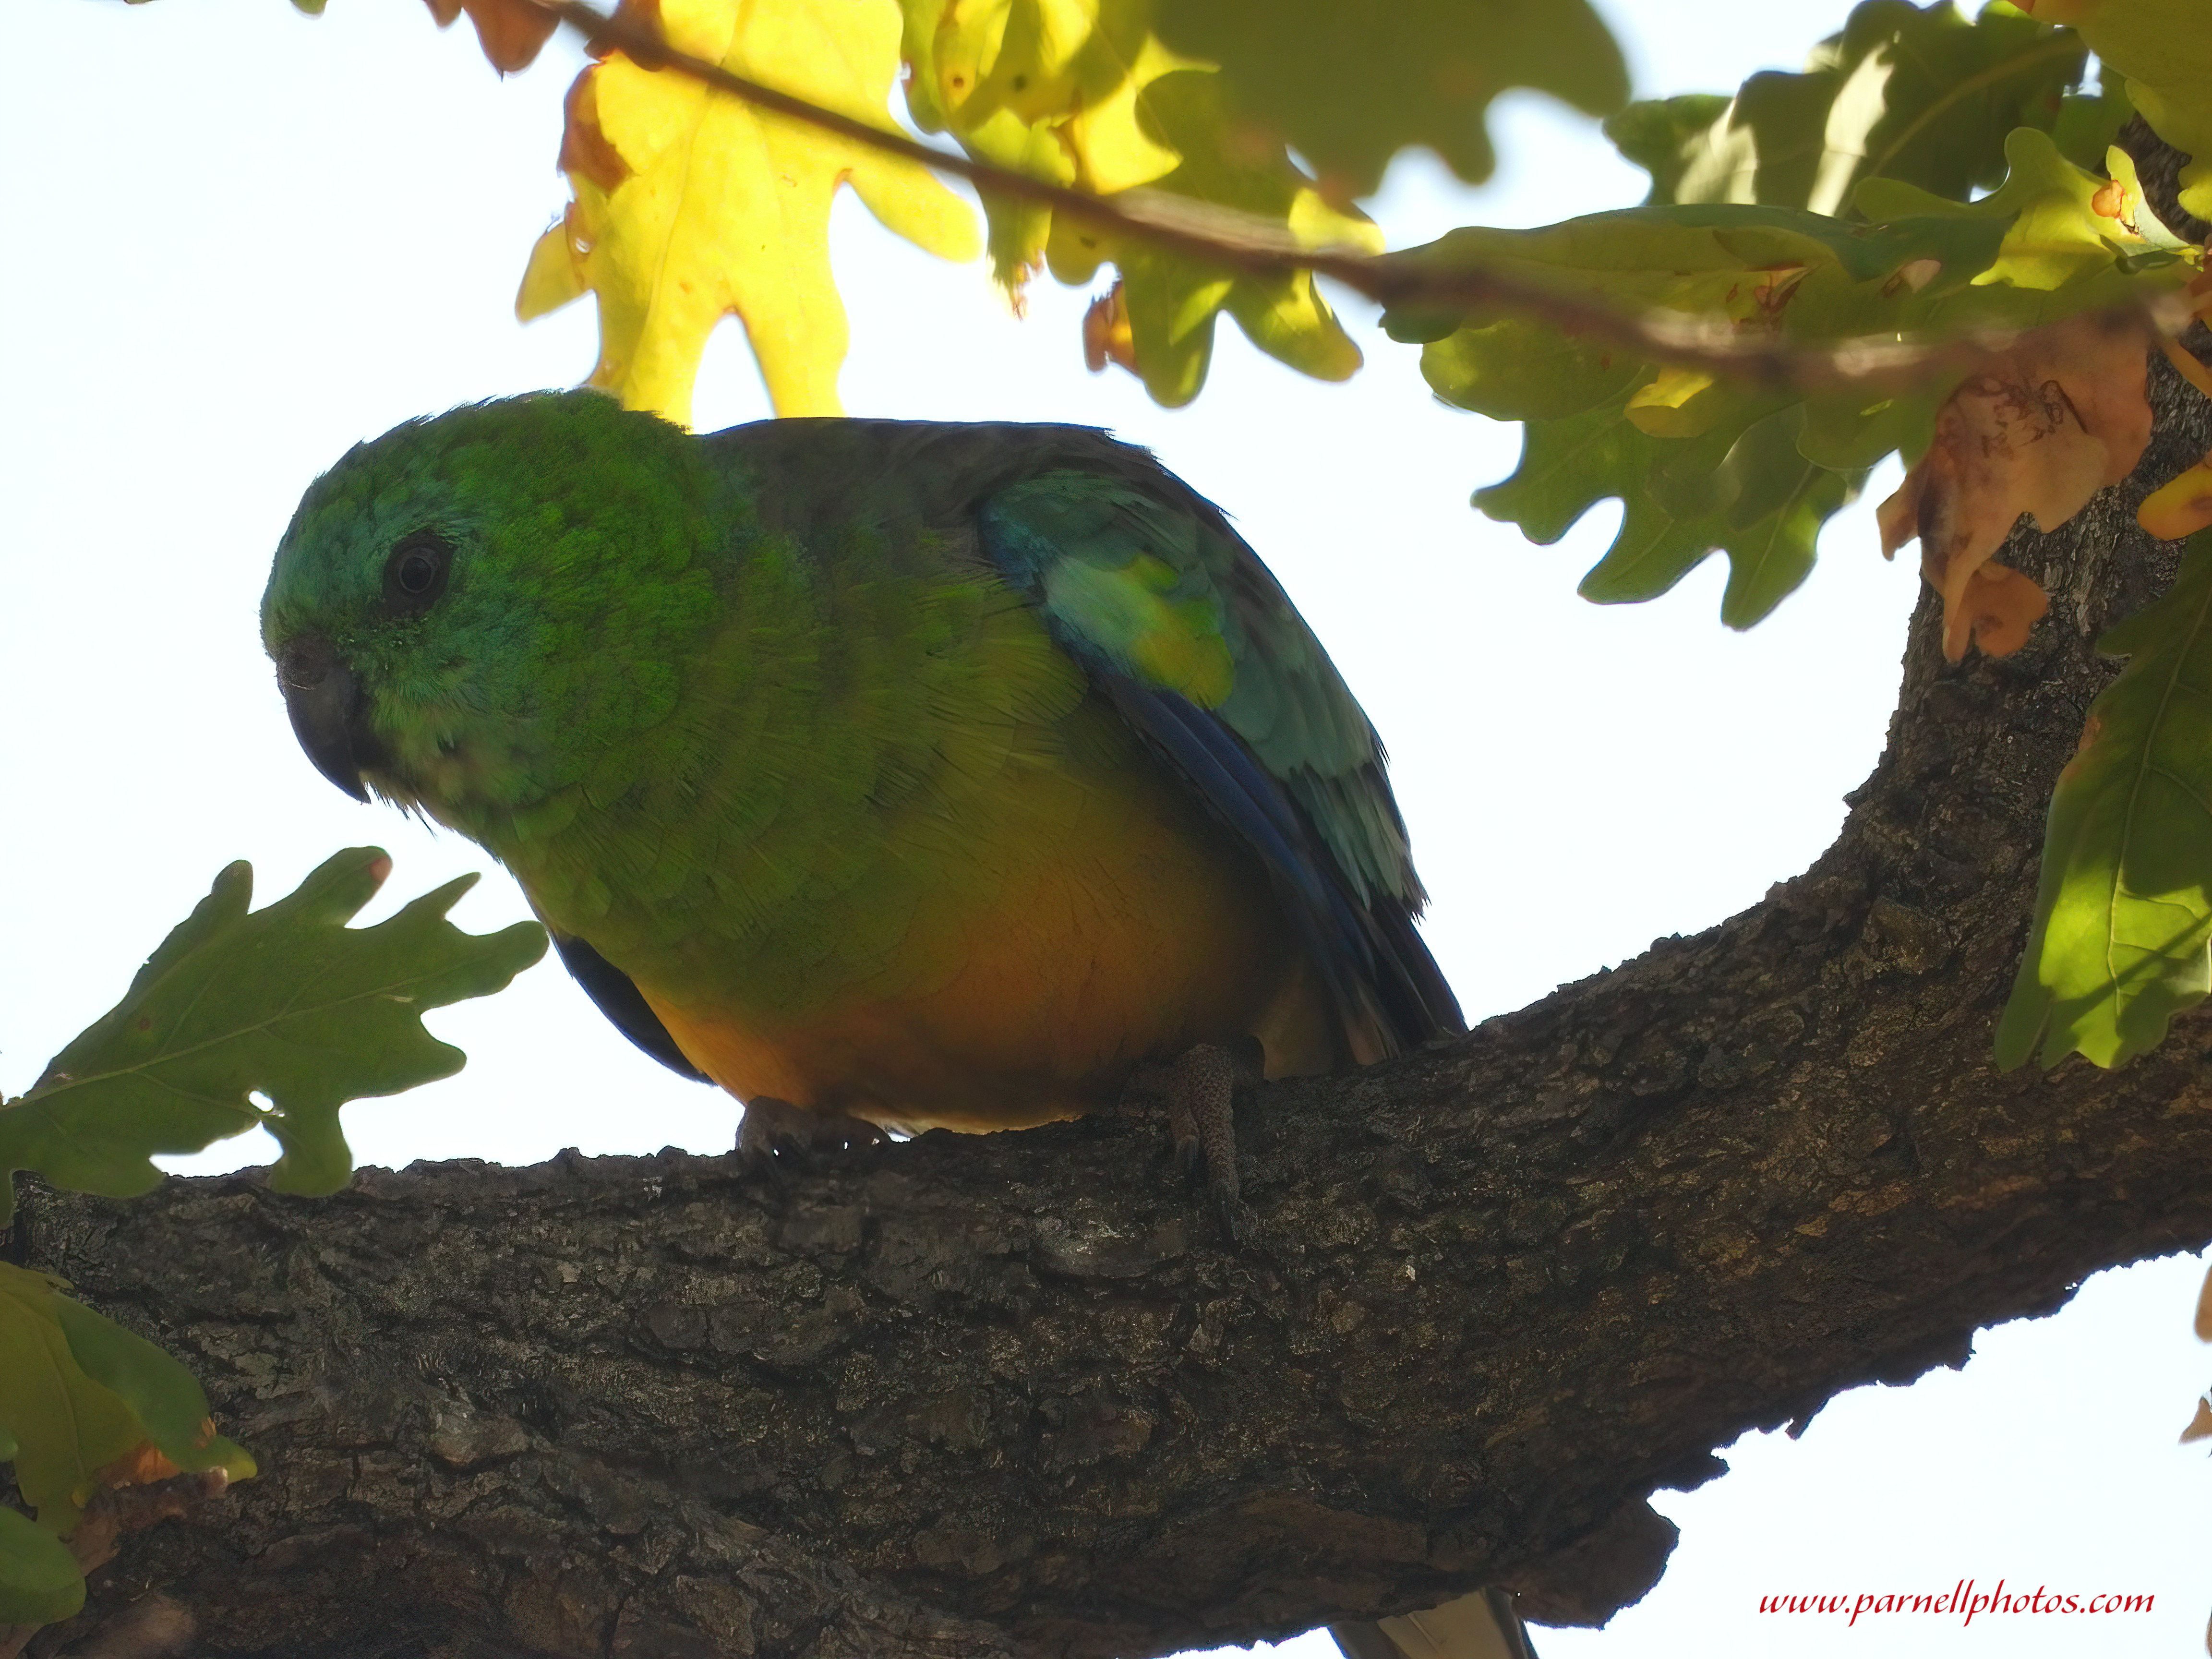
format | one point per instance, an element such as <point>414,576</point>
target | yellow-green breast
<point>891,857</point>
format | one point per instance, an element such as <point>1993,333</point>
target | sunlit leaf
<point>1921,95</point>
<point>1170,299</point>
<point>1085,92</point>
<point>690,205</point>
<point>287,1002</point>
<point>2164,48</point>
<point>2124,912</point>
<point>2090,122</point>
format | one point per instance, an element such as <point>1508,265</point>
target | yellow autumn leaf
<point>1083,92</point>
<point>2181,506</point>
<point>1050,88</point>
<point>1170,299</point>
<point>689,205</point>
<point>1078,68</point>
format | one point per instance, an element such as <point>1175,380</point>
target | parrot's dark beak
<point>329,713</point>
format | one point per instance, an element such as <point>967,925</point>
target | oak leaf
<point>2124,904</point>
<point>88,1404</point>
<point>1747,465</point>
<point>1899,92</point>
<point>1083,92</point>
<point>1106,338</point>
<point>286,1003</point>
<point>690,205</point>
<point>2164,48</point>
<point>39,1580</point>
<point>511,32</point>
<point>2039,429</point>
<point>1171,300</point>
<point>1348,87</point>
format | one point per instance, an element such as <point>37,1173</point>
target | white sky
<point>241,239</point>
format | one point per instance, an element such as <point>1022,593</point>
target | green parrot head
<point>464,611</point>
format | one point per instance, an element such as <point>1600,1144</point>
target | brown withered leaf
<point>511,32</point>
<point>141,1465</point>
<point>1107,337</point>
<point>1996,609</point>
<point>2038,429</point>
<point>2200,1425</point>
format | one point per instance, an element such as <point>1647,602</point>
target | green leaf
<point>1670,137</point>
<point>2090,122</point>
<point>1517,369</point>
<point>287,1001</point>
<point>66,1425</point>
<point>1085,92</point>
<point>1172,299</point>
<point>1703,462</point>
<point>1901,92</point>
<point>40,1583</point>
<point>167,1398</point>
<point>1348,87</point>
<point>79,1394</point>
<point>1747,493</point>
<point>2123,909</point>
<point>2164,49</point>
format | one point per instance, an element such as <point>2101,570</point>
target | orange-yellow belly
<point>1126,935</point>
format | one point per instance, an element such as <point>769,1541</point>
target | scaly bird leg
<point>1199,1088</point>
<point>775,1129</point>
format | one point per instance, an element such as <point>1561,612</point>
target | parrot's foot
<point>775,1129</point>
<point>1199,1087</point>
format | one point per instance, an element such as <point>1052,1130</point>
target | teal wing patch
<point>1176,618</point>
<point>1177,624</point>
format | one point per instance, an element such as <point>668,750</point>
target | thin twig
<point>1259,247</point>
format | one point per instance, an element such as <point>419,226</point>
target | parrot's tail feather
<point>1482,1625</point>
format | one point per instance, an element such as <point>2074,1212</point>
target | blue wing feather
<point>1284,756</point>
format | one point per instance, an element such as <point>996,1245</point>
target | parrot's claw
<point>1199,1087</point>
<point>775,1131</point>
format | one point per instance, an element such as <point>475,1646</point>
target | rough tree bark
<point>1011,1395</point>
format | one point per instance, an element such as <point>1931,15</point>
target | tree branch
<point>1009,1395</point>
<point>1261,247</point>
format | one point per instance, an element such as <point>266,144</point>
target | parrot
<point>892,775</point>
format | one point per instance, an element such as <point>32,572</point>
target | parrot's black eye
<point>415,575</point>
